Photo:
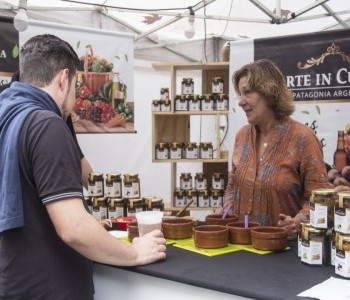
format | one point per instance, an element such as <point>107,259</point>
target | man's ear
<point>63,78</point>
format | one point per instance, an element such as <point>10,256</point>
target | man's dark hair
<point>43,56</point>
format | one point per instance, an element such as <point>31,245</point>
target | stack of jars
<point>164,103</point>
<point>199,192</point>
<point>175,150</point>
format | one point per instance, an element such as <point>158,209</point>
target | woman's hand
<point>221,210</point>
<point>290,224</point>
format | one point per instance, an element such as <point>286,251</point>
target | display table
<point>193,276</point>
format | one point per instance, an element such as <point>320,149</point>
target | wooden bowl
<point>133,230</point>
<point>177,228</point>
<point>269,238</point>
<point>238,234</point>
<point>216,219</point>
<point>210,236</point>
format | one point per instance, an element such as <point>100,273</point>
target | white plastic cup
<point>148,221</point>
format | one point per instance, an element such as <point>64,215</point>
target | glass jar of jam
<point>203,198</point>
<point>186,181</point>
<point>342,256</point>
<point>156,105</point>
<point>342,213</point>
<point>216,198</point>
<point>164,93</point>
<point>221,102</point>
<point>99,208</point>
<point>116,207</point>
<point>208,102</point>
<point>192,195</point>
<point>217,86</point>
<point>175,150</point>
<point>218,181</point>
<point>322,203</point>
<point>165,105</point>
<point>206,150</point>
<point>187,86</point>
<point>181,103</point>
<point>200,182</point>
<point>162,151</point>
<point>96,185</point>
<point>180,197</point>
<point>194,103</point>
<point>113,185</point>
<point>131,186</point>
<point>153,203</point>
<point>134,206</point>
<point>191,151</point>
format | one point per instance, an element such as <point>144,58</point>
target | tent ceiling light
<point>189,30</point>
<point>21,19</point>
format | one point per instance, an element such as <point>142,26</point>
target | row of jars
<point>187,86</point>
<point>325,238</point>
<point>201,198</point>
<point>112,185</point>
<point>110,207</point>
<point>201,182</point>
<point>189,150</point>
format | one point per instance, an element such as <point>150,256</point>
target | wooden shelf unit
<point>175,126</point>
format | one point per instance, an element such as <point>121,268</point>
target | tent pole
<point>332,13</point>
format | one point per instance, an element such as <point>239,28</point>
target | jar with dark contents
<point>165,105</point>
<point>191,151</point>
<point>180,197</point>
<point>99,208</point>
<point>187,86</point>
<point>200,181</point>
<point>156,105</point>
<point>206,150</point>
<point>221,102</point>
<point>162,151</point>
<point>186,181</point>
<point>181,103</point>
<point>194,103</point>
<point>203,198</point>
<point>175,150</point>
<point>342,213</point>
<point>342,256</point>
<point>116,208</point>
<point>208,102</point>
<point>153,203</point>
<point>96,185</point>
<point>218,181</point>
<point>164,93</point>
<point>192,195</point>
<point>216,198</point>
<point>113,185</point>
<point>217,86</point>
<point>134,206</point>
<point>131,186</point>
<point>315,246</point>
<point>322,204</point>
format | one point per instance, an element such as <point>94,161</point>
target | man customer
<point>48,240</point>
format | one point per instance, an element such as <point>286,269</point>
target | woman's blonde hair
<point>265,78</point>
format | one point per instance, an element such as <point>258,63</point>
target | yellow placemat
<point>126,240</point>
<point>188,244</point>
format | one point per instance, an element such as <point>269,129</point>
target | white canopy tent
<point>159,25</point>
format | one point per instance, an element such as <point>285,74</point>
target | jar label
<point>181,105</point>
<point>191,154</point>
<point>222,105</point>
<point>95,189</point>
<point>201,184</point>
<point>206,153</point>
<point>216,202</point>
<point>180,201</point>
<point>318,215</point>
<point>203,202</point>
<point>342,220</point>
<point>311,252</point>
<point>131,191</point>
<point>218,184</point>
<point>185,184</point>
<point>162,154</point>
<point>342,263</point>
<point>165,107</point>
<point>217,88</point>
<point>194,106</point>
<point>175,153</point>
<point>208,105</point>
<point>114,189</point>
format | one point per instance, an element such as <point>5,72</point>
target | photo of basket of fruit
<point>96,71</point>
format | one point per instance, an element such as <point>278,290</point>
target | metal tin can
<point>203,198</point>
<point>96,185</point>
<point>200,182</point>
<point>113,185</point>
<point>216,198</point>
<point>342,257</point>
<point>180,198</point>
<point>187,86</point>
<point>131,186</point>
<point>221,102</point>
<point>153,203</point>
<point>192,195</point>
<point>156,105</point>
<point>342,213</point>
<point>134,206</point>
<point>208,102</point>
<point>181,103</point>
<point>217,86</point>
<point>218,181</point>
<point>164,93</point>
<point>99,208</point>
<point>162,151</point>
<point>116,207</point>
<point>186,181</point>
<point>315,246</point>
<point>194,103</point>
<point>175,150</point>
<point>165,105</point>
<point>206,150</point>
<point>191,151</point>
<point>322,203</point>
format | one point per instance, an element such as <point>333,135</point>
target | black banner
<point>316,66</point>
<point>9,49</point>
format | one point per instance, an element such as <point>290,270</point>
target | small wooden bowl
<point>269,238</point>
<point>210,236</point>
<point>238,234</point>
<point>216,219</point>
<point>133,230</point>
<point>177,228</point>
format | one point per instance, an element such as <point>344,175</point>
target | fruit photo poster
<point>316,67</point>
<point>104,89</point>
